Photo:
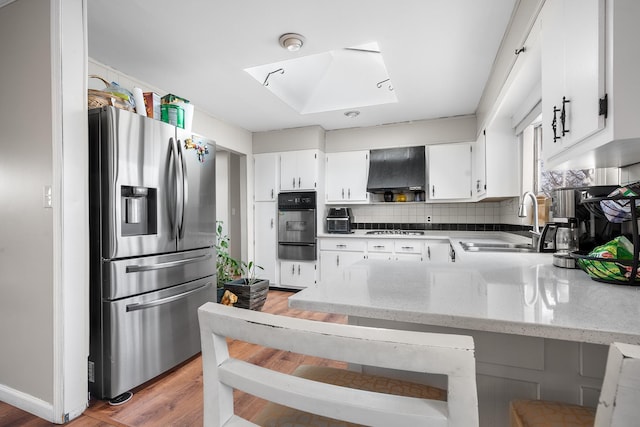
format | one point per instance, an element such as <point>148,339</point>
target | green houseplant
<point>238,276</point>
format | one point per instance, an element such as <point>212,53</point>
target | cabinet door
<point>480,166</point>
<point>333,263</point>
<point>297,274</point>
<point>552,75</point>
<point>289,170</point>
<point>450,171</point>
<point>346,177</point>
<point>266,240</point>
<point>299,170</point>
<point>437,251</point>
<point>584,67</point>
<point>307,164</point>
<point>265,167</point>
<point>573,37</point>
<point>501,159</point>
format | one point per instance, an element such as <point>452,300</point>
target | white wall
<point>303,138</point>
<point>26,228</point>
<point>421,132</point>
<point>43,268</point>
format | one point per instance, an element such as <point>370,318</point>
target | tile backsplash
<point>502,212</point>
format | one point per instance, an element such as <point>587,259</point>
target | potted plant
<point>238,277</point>
<point>227,267</point>
<point>250,290</point>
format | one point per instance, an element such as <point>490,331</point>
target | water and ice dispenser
<point>139,213</point>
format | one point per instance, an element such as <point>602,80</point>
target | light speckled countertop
<point>513,293</point>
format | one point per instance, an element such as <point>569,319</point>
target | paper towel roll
<point>138,97</point>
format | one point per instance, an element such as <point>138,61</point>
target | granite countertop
<point>513,293</point>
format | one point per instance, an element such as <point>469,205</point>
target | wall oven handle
<point>140,268</point>
<point>296,244</point>
<point>161,301</point>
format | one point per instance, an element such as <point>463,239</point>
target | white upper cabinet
<point>572,33</point>
<point>480,166</point>
<point>346,177</point>
<point>299,170</point>
<point>450,171</point>
<point>496,161</point>
<point>266,177</point>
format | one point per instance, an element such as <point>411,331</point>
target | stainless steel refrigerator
<point>152,257</point>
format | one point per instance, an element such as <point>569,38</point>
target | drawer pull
<point>341,246</point>
<point>407,248</point>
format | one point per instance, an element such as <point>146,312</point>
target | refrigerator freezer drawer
<point>147,335</point>
<point>127,277</point>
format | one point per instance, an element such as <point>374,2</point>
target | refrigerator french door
<point>152,256</point>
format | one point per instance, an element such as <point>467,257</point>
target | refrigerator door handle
<point>140,268</point>
<point>174,198</point>
<point>185,188</point>
<point>141,306</point>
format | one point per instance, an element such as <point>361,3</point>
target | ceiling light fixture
<point>291,41</point>
<point>352,114</point>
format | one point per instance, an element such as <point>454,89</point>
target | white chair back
<point>619,403</point>
<point>450,355</point>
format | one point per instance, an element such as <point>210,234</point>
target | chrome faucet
<point>522,213</point>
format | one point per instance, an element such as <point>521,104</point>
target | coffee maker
<point>574,227</point>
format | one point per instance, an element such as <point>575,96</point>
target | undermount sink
<point>497,247</point>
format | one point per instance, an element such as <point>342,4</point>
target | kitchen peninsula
<point>540,331</point>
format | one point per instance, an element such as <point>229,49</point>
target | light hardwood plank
<point>175,398</point>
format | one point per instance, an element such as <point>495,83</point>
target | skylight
<point>336,80</point>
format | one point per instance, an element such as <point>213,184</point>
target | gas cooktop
<point>397,232</point>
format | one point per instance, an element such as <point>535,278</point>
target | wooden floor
<point>175,399</point>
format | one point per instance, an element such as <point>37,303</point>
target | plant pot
<point>220,292</point>
<point>249,296</point>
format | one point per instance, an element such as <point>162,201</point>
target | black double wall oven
<point>297,229</point>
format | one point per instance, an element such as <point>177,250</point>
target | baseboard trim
<point>28,403</point>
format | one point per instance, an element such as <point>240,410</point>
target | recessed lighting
<point>352,114</point>
<point>291,41</point>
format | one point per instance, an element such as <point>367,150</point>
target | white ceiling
<point>438,53</point>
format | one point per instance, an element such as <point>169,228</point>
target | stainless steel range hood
<point>397,170</point>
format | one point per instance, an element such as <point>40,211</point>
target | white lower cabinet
<point>437,251</point>
<point>298,274</point>
<point>408,250</point>
<point>334,263</point>
<point>380,249</point>
<point>266,240</point>
<point>338,254</point>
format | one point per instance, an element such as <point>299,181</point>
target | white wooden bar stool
<point>618,406</point>
<point>311,392</point>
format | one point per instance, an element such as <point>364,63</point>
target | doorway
<point>231,199</point>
